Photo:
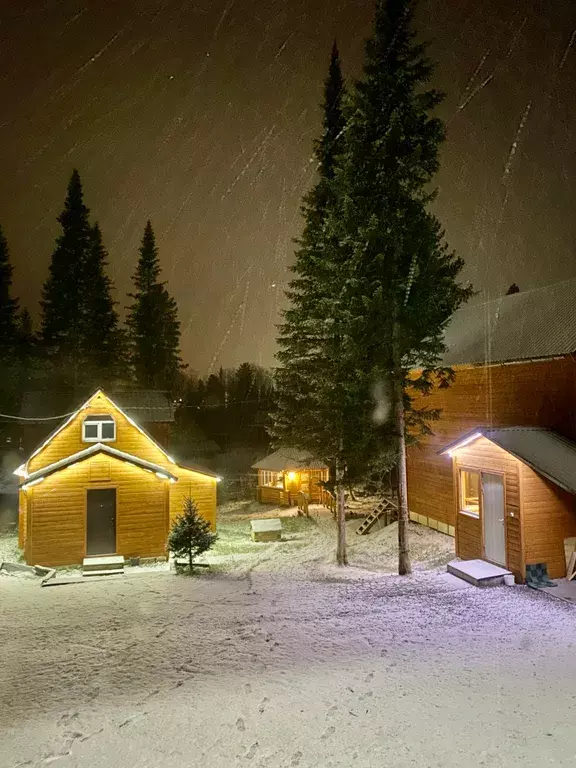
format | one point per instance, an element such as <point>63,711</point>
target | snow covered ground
<point>282,660</point>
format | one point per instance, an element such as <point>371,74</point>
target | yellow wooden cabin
<point>286,472</point>
<point>101,485</point>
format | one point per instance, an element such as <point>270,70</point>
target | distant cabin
<point>498,471</point>
<point>286,472</point>
<point>101,484</point>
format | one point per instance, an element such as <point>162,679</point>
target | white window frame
<point>93,421</point>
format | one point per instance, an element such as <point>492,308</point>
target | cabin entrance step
<point>105,565</point>
<point>479,572</point>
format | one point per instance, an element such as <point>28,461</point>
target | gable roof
<point>57,466</point>
<point>288,458</point>
<point>529,325</point>
<point>145,405</point>
<point>73,415</point>
<point>546,452</point>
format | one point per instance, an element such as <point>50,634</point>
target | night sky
<point>201,116</point>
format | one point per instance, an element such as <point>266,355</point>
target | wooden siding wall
<point>22,518</point>
<point>200,488</point>
<point>484,456</point>
<point>268,495</point>
<point>128,439</point>
<point>57,535</point>
<point>524,394</point>
<point>549,517</point>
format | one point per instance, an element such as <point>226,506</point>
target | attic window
<point>99,428</point>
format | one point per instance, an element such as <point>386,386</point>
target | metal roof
<point>523,326</point>
<point>144,405</point>
<point>288,458</point>
<point>86,453</point>
<point>546,452</point>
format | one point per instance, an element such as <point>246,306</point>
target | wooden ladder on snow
<point>385,509</point>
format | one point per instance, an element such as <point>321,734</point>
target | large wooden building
<point>504,491</point>
<point>100,484</point>
<point>286,472</point>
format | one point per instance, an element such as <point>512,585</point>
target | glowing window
<point>99,428</point>
<point>470,492</point>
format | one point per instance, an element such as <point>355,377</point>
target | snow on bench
<point>267,529</point>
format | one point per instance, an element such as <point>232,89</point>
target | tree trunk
<point>341,552</point>
<point>404,564</point>
<point>190,560</point>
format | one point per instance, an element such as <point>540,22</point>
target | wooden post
<point>404,564</point>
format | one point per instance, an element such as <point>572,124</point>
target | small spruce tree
<point>190,535</point>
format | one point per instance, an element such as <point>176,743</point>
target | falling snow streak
<point>567,51</point>
<point>515,143</point>
<point>468,97</point>
<point>202,116</point>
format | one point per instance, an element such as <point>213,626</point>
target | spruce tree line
<point>375,283</point>
<point>81,341</point>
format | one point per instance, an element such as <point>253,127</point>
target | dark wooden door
<point>101,522</point>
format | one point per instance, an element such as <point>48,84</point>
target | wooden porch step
<point>104,564</point>
<point>478,572</point>
<point>110,572</point>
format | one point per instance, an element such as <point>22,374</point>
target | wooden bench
<point>267,529</point>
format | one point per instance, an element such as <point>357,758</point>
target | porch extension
<point>478,572</point>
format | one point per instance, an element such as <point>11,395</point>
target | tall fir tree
<point>8,304</point>
<point>400,286</point>
<point>103,348</point>
<point>313,410</point>
<point>154,329</point>
<point>65,290</point>
<point>9,383</point>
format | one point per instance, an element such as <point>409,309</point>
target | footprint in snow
<point>252,751</point>
<point>328,732</point>
<point>263,703</point>
<point>331,711</point>
<point>240,724</point>
<point>369,677</point>
<point>296,757</point>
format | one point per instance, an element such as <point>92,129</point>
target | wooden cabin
<point>515,364</point>
<point>514,502</point>
<point>100,484</point>
<point>151,408</point>
<point>286,472</point>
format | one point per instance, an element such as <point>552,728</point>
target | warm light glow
<point>21,471</point>
<point>464,442</point>
<point>218,479</point>
<point>291,476</point>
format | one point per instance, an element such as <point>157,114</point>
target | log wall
<point>524,394</point>
<point>549,517</point>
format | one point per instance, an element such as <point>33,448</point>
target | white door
<point>493,510</point>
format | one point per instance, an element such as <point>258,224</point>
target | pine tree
<point>102,339</point>
<point>9,379</point>
<point>400,286</point>
<point>190,534</point>
<point>317,409</point>
<point>154,329</point>
<point>8,305</point>
<point>65,290</point>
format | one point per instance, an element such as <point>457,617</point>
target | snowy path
<point>275,672</point>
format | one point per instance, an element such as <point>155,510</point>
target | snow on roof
<point>528,325</point>
<point>289,458</point>
<point>86,453</point>
<point>546,452</point>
